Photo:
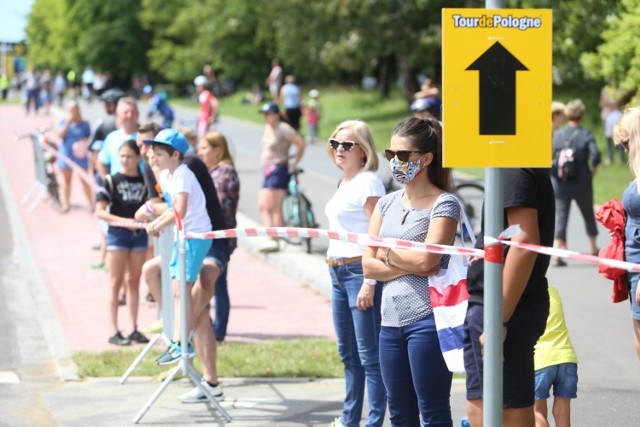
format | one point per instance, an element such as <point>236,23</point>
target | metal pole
<point>184,314</point>
<point>184,365</point>
<point>492,374</point>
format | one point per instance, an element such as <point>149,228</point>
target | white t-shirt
<point>183,180</point>
<point>345,211</point>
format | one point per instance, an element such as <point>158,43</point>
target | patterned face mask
<point>403,172</point>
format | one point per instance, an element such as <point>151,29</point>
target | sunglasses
<point>346,145</point>
<point>402,155</point>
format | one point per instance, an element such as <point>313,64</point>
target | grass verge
<point>314,358</point>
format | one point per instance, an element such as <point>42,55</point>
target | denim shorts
<point>124,240</point>
<point>563,378</point>
<point>196,250</point>
<point>527,324</point>
<point>219,253</point>
<point>276,177</point>
<point>635,309</point>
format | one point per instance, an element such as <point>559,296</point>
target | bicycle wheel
<point>289,206</point>
<point>301,217</point>
<point>53,188</point>
<point>471,196</point>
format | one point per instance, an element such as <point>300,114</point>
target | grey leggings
<point>585,204</point>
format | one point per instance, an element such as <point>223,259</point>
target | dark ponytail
<point>426,135</point>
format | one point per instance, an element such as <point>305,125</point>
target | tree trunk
<point>388,69</point>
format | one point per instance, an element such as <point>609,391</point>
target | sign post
<point>496,114</point>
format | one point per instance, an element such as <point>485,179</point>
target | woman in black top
<point>118,200</point>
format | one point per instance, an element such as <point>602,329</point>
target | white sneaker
<point>197,396</point>
<point>337,423</point>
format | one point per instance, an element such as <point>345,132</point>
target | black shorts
<point>525,328</point>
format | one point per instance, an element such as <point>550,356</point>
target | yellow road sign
<point>496,87</point>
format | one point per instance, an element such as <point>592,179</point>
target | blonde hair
<point>628,130</point>
<point>365,139</point>
<point>190,134</point>
<point>217,139</point>
<point>557,107</point>
<point>574,110</point>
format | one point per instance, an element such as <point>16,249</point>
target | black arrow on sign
<point>497,67</point>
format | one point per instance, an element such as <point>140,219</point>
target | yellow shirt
<point>554,346</point>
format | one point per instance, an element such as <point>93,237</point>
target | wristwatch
<point>370,282</point>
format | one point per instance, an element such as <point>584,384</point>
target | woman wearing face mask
<point>415,375</point>
<point>355,299</point>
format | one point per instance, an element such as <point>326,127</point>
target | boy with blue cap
<point>183,194</point>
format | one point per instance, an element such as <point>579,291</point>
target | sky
<point>13,19</point>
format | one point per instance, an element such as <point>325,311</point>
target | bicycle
<point>297,210</point>
<point>44,164</point>
<point>471,195</point>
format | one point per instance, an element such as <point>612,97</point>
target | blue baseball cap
<point>170,137</point>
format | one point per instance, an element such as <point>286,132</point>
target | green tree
<point>72,34</point>
<point>189,34</point>
<point>108,36</point>
<point>617,59</point>
<point>577,29</point>
<point>46,34</point>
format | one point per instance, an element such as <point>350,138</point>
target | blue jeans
<point>222,307</point>
<point>415,374</point>
<point>357,332</point>
<point>220,253</point>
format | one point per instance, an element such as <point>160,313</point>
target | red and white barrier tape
<point>361,239</point>
<point>128,224</point>
<point>564,253</point>
<point>560,253</point>
<point>386,242</point>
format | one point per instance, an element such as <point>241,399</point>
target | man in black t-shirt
<point>529,202</point>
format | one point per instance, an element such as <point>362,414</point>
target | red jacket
<point>612,216</point>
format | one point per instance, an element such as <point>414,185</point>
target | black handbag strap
<point>568,143</point>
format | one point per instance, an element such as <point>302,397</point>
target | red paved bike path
<point>265,303</point>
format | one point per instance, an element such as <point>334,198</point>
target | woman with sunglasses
<point>277,139</point>
<point>415,375</point>
<point>355,299</point>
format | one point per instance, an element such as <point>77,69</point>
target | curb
<point>35,289</point>
<point>308,269</point>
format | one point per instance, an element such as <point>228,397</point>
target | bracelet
<point>386,256</point>
<point>370,282</point>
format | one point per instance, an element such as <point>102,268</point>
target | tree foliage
<point>48,45</point>
<point>66,34</point>
<point>319,41</point>
<point>617,59</point>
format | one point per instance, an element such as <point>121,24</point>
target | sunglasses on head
<point>402,155</point>
<point>346,145</point>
